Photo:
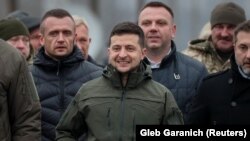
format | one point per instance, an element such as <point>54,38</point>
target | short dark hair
<point>58,13</point>
<point>244,26</point>
<point>128,28</point>
<point>158,4</point>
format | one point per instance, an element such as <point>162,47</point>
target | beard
<point>246,71</point>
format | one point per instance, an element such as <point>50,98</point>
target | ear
<point>108,51</point>
<point>144,52</point>
<point>90,40</point>
<point>75,39</point>
<point>42,40</point>
<point>173,31</point>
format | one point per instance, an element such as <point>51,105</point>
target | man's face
<point>35,39</point>
<point>222,37</point>
<point>158,27</point>
<point>21,42</point>
<point>58,37</point>
<point>242,51</point>
<point>82,39</point>
<point>125,52</point>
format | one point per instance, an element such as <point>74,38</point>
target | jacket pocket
<point>99,115</point>
<point>147,112</point>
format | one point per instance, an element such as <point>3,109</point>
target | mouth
<point>123,62</point>
<point>226,39</point>
<point>247,64</point>
<point>60,47</point>
<point>153,37</point>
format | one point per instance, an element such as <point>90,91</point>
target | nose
<point>153,27</point>
<point>225,31</point>
<point>123,53</point>
<point>20,44</point>
<point>60,37</point>
<point>248,53</point>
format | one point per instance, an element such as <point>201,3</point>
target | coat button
<point>233,104</point>
<point>230,80</point>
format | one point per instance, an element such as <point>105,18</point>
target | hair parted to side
<point>158,4</point>
<point>57,13</point>
<point>80,21</point>
<point>244,26</point>
<point>128,28</point>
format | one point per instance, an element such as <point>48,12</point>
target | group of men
<point>146,80</point>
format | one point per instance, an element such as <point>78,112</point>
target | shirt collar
<point>155,65</point>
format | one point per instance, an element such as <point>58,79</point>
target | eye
<point>243,47</point>
<point>14,39</point>
<point>67,33</point>
<point>231,27</point>
<point>116,48</point>
<point>218,27</point>
<point>145,23</point>
<point>25,40</point>
<point>53,33</point>
<point>162,23</point>
<point>82,40</point>
<point>130,48</point>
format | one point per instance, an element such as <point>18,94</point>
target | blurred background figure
<point>83,39</point>
<point>16,34</point>
<point>33,24</point>
<point>215,51</point>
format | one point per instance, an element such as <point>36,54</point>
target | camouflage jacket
<point>203,51</point>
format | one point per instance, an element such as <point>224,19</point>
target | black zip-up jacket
<point>57,83</point>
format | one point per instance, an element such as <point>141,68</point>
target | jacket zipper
<point>122,113</point>
<point>61,89</point>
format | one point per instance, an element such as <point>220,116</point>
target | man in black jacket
<point>59,68</point>
<point>178,72</point>
<point>224,98</point>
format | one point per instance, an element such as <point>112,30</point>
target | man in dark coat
<point>20,109</point>
<point>224,98</point>
<point>178,72</point>
<point>59,68</point>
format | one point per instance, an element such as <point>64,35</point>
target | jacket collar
<point>236,68</point>
<point>168,58</point>
<point>135,78</point>
<point>45,60</point>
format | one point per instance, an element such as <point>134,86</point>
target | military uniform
<point>204,51</point>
